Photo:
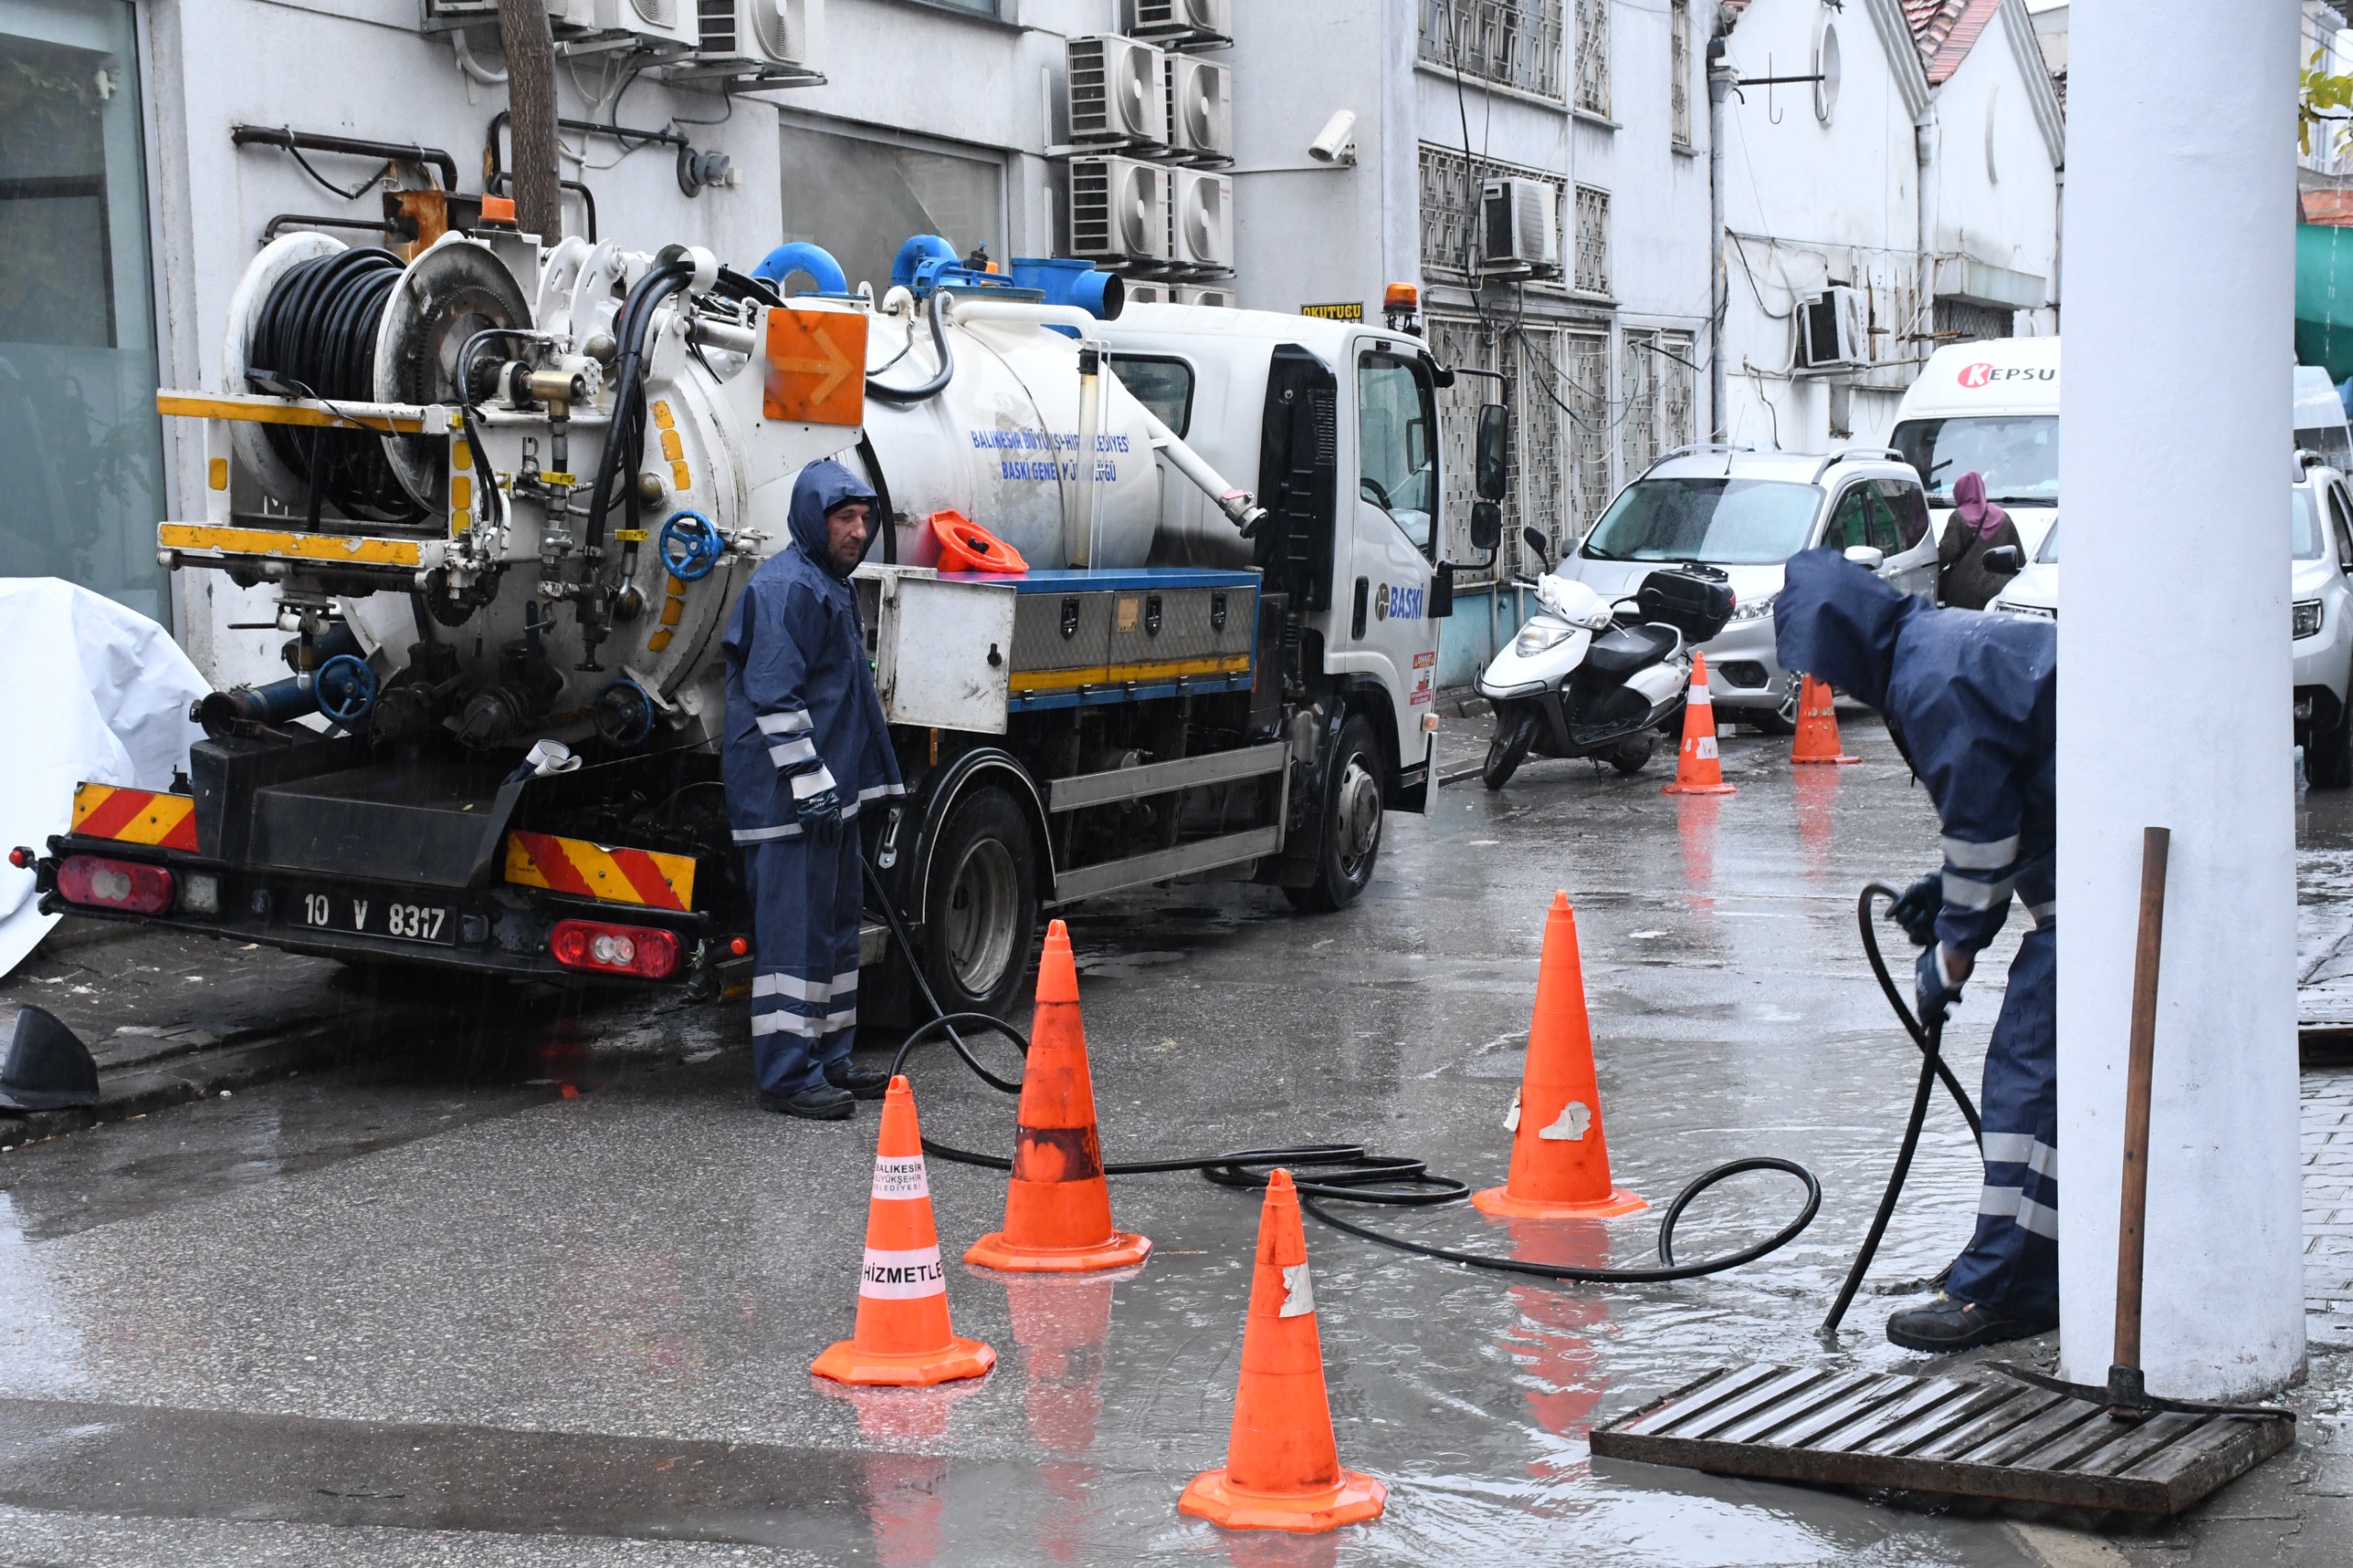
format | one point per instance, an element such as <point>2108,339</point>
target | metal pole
<point>2222,1314</point>
<point>1719,85</point>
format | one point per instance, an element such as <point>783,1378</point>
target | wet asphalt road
<point>537,1283</point>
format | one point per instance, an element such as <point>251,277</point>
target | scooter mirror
<point>1486,525</point>
<point>1535,543</point>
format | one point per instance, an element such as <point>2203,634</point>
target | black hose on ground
<point>1345,1173</point>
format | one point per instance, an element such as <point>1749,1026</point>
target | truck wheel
<point>980,906</point>
<point>2328,752</point>
<point>1350,840</point>
<point>1509,749</point>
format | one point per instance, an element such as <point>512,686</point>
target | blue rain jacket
<point>801,713</point>
<point>1971,699</point>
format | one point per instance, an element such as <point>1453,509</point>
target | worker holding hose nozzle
<point>1970,699</point>
<point>806,746</point>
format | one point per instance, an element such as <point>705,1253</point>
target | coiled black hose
<point>904,395</point>
<point>1345,1173</point>
<point>315,336</point>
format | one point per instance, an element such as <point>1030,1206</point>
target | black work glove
<point>1917,910</point>
<point>1931,997</point>
<point>821,816</point>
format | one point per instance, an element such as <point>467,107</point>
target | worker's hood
<point>824,485</point>
<point>1838,622</point>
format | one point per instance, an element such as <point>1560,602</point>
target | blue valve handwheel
<point>347,689</point>
<point>689,546</point>
<point>623,714</point>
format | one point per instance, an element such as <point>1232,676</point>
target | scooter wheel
<point>1514,735</point>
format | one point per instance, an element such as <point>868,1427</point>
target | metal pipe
<point>1719,85</point>
<point>350,146</point>
<point>1240,507</point>
<point>1090,378</point>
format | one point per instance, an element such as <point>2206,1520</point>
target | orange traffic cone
<point>1560,1160</point>
<point>1057,1206</point>
<point>1817,726</point>
<point>1696,770</point>
<point>903,1337</point>
<point>1283,1470</point>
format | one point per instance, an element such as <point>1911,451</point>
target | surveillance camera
<point>1336,143</point>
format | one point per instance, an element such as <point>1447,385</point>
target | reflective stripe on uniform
<point>1972,857</point>
<point>2000,1148</point>
<point>784,724</point>
<point>800,748</point>
<point>807,784</point>
<point>791,986</point>
<point>879,790</point>
<point>2038,1219</point>
<point>1965,893</point>
<point>2044,915</point>
<point>767,834</point>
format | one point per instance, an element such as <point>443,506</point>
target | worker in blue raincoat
<point>806,748</point>
<point>1970,699</point>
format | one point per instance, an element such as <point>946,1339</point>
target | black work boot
<point>863,1083</point>
<point>822,1103</point>
<point>1946,1325</point>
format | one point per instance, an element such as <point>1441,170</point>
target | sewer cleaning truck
<point>503,495</point>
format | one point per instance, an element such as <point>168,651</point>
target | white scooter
<point>1585,678</point>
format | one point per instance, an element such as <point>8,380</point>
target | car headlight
<point>1539,635</point>
<point>1756,609</point>
<point>2305,617</point>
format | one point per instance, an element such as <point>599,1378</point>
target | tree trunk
<point>529,48</point>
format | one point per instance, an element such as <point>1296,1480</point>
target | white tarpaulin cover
<point>89,691</point>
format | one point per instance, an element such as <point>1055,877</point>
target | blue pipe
<point>915,252</point>
<point>800,256</point>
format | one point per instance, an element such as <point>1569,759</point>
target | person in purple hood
<point>1974,526</point>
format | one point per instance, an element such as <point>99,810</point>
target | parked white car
<point>1747,512</point>
<point>2035,590</point>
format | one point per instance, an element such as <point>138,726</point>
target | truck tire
<point>1349,841</point>
<point>1508,748</point>
<point>981,904</point>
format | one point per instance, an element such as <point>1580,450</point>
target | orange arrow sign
<point>817,365</point>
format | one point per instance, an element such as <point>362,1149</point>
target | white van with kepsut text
<point>1989,408</point>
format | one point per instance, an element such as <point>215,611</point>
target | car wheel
<point>1509,749</point>
<point>980,906</point>
<point>2328,753</point>
<point>1349,842</point>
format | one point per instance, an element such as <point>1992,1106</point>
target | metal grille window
<point>1593,57</point>
<point>1679,65</point>
<point>1514,42</point>
<point>1963,319</point>
<point>1638,443</point>
<point>1592,271</point>
<point>1677,381</point>
<point>1587,393</point>
<point>1450,207</point>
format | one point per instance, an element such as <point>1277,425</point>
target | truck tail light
<point>647,951</point>
<point>115,884</point>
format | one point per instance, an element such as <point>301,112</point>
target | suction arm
<point>1240,507</point>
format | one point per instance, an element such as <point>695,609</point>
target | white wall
<point>2002,209</point>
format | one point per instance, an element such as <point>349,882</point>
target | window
<point>1730,522</point>
<point>1593,57</point>
<point>1909,506</point>
<point>2337,528</point>
<point>1862,519</point>
<point>1397,444</point>
<point>1514,42</point>
<point>1592,273</point>
<point>1966,320</point>
<point>861,199</point>
<point>1450,206</point>
<point>2308,545</point>
<point>1678,71</point>
<point>80,441</point>
<point>1588,395</point>
<point>1637,383</point>
<point>1164,386</point>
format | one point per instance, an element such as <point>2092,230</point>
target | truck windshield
<point>1396,449</point>
<point>2019,456</point>
<point>1729,522</point>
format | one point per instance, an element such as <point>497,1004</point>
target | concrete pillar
<point>2173,681</point>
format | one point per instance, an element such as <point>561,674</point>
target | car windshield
<point>2019,456</point>
<point>2309,540</point>
<point>2049,554</point>
<point>1729,522</point>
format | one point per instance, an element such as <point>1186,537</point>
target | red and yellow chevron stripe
<point>134,816</point>
<point>599,871</point>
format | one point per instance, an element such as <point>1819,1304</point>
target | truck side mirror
<point>2007,559</point>
<point>1486,525</point>
<point>1495,451</point>
<point>1535,543</point>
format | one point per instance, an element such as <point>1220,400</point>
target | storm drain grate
<point>1945,1436</point>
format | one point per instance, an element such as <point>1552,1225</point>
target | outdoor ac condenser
<point>1182,23</point>
<point>1519,230</point>
<point>1195,294</point>
<point>1141,293</point>
<point>1830,329</point>
<point>661,22</point>
<point>1118,209</point>
<point>1199,109</point>
<point>1200,220</point>
<point>772,32</point>
<point>1115,92</point>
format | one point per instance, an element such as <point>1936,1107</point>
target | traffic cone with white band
<point>903,1337</point>
<point>1696,771</point>
<point>1817,726</point>
<point>1283,1469</point>
<point>1560,1160</point>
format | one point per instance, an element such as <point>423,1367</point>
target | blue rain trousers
<point>806,897</point>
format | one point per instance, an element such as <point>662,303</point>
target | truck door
<point>1384,604</point>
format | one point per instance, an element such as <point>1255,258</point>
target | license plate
<point>367,914</point>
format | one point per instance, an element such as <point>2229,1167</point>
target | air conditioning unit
<point>1115,90</point>
<point>1519,228</point>
<point>1199,109</point>
<point>1200,220</point>
<point>1830,329</point>
<point>765,32</point>
<point>1195,294</point>
<point>1183,24</point>
<point>1118,209</point>
<point>674,25</point>
<point>1141,293</point>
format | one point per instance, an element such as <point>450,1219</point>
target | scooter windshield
<point>1728,522</point>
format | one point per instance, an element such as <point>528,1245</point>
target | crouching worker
<point>806,746</point>
<point>1970,699</point>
